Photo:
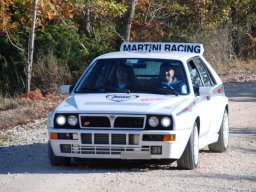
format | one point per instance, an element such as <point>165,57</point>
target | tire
<point>222,144</point>
<point>55,160</point>
<point>189,158</point>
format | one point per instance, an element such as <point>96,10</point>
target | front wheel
<point>55,160</point>
<point>222,144</point>
<point>189,158</point>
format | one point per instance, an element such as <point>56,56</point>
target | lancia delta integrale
<point>148,101</point>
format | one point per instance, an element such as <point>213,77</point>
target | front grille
<point>109,139</point>
<point>101,139</point>
<point>131,139</point>
<point>129,122</point>
<point>118,139</point>
<point>86,138</point>
<point>102,150</point>
<point>95,121</point>
<point>113,121</point>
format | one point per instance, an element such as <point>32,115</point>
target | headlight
<point>61,120</point>
<point>72,120</point>
<point>166,122</point>
<point>153,121</point>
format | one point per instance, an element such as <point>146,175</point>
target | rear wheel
<point>189,158</point>
<point>55,160</point>
<point>222,144</point>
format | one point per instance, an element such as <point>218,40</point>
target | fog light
<point>75,136</point>
<point>152,137</point>
<point>136,139</point>
<point>64,136</point>
<point>156,150</point>
<point>64,148</point>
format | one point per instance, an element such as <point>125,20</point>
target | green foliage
<point>71,33</point>
<point>64,41</point>
<point>12,63</point>
<point>63,53</point>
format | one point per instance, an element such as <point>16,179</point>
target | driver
<point>167,78</point>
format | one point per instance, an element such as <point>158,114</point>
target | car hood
<point>120,103</point>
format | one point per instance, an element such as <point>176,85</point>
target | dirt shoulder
<point>242,98</point>
<point>24,163</point>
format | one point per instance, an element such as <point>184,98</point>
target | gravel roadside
<point>24,163</point>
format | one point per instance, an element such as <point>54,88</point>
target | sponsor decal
<point>152,99</point>
<point>86,123</point>
<point>218,90</point>
<point>121,98</point>
<point>187,108</point>
<point>162,47</point>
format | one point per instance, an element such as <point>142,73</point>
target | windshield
<point>156,76</point>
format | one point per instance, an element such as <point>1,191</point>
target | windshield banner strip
<point>162,47</point>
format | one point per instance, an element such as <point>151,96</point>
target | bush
<point>63,54</point>
<point>48,74</point>
<point>12,63</point>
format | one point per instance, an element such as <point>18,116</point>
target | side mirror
<point>205,91</point>
<point>66,89</point>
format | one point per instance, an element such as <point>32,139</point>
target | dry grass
<point>22,114</point>
<point>218,51</point>
<point>238,68</point>
<point>4,138</point>
<point>13,103</point>
<point>24,109</point>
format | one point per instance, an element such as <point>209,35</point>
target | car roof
<point>152,55</point>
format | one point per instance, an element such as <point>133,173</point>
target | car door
<point>214,105</point>
<point>203,103</point>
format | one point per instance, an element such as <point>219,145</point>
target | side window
<point>205,75</point>
<point>195,77</point>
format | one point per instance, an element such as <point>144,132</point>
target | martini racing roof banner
<point>162,47</point>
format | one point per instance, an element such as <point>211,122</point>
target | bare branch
<point>115,31</point>
<point>7,33</point>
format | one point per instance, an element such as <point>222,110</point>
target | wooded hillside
<point>70,33</point>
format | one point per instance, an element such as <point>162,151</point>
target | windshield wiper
<point>103,89</point>
<point>92,90</point>
<point>158,90</point>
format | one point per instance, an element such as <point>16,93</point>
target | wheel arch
<point>197,121</point>
<point>227,108</point>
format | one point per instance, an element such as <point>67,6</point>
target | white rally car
<point>145,121</point>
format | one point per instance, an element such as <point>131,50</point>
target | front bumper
<point>111,146</point>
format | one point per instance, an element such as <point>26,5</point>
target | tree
<point>124,23</point>
<point>31,48</point>
<point>243,22</point>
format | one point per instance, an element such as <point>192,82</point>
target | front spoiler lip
<point>170,149</point>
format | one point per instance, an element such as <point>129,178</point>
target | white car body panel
<point>98,103</point>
